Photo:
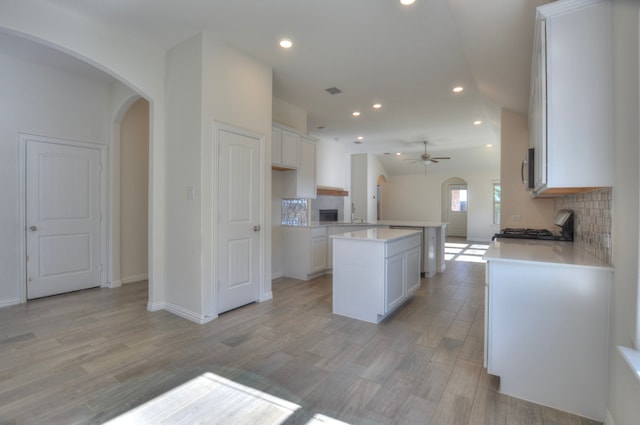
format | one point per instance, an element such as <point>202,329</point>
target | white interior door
<point>239,220</point>
<point>457,210</point>
<point>62,218</point>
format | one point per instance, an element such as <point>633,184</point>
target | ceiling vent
<point>333,90</point>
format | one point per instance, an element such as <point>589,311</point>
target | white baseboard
<point>136,278</point>
<point>188,314</point>
<point>9,302</point>
<point>608,419</point>
<point>155,307</point>
<point>266,296</point>
<point>276,275</point>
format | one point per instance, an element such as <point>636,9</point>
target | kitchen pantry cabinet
<point>305,252</point>
<point>570,119</point>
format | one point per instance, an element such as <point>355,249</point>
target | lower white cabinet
<point>546,330</point>
<point>374,272</point>
<point>305,252</point>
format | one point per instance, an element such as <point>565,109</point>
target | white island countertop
<point>412,223</point>
<point>539,251</point>
<point>378,234</point>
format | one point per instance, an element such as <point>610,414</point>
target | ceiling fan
<point>426,158</point>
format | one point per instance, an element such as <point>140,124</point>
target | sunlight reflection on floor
<point>468,252</point>
<point>213,399</point>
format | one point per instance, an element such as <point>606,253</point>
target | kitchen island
<point>374,271</point>
<point>546,323</point>
<point>434,234</point>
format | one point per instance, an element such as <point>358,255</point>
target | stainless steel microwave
<point>527,170</point>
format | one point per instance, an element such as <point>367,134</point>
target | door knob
<point>256,228</point>
<point>33,228</point>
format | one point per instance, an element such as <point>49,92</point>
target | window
<point>458,199</point>
<point>496,203</point>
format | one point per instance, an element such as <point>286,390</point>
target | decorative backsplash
<point>592,220</point>
<point>295,212</point>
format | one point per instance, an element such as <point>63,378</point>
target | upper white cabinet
<point>306,178</point>
<point>570,119</point>
<point>294,154</point>
<point>284,148</point>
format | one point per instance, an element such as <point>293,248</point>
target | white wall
<point>135,63</point>
<point>184,138</point>
<point>134,191</point>
<point>418,197</point>
<point>518,208</point>
<point>624,388</point>
<point>290,115</point>
<point>330,164</point>
<point>31,101</point>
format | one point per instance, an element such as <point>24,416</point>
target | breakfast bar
<point>374,271</point>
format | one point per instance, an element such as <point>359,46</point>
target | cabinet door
<point>276,146</point>
<point>290,142</point>
<point>306,185</point>
<point>412,270</point>
<point>318,254</point>
<point>394,291</point>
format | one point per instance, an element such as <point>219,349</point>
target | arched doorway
<point>454,206</point>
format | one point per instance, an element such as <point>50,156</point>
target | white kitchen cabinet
<point>306,177</point>
<point>374,272</point>
<point>284,148</point>
<point>546,324</point>
<point>570,120</point>
<point>318,250</point>
<point>305,252</point>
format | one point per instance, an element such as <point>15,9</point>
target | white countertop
<point>536,251</point>
<point>377,235</point>
<point>412,223</point>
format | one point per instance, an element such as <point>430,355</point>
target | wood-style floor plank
<point>97,355</point>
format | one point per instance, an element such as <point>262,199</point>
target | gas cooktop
<point>522,233</point>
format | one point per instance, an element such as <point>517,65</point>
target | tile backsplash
<point>592,220</point>
<point>326,202</point>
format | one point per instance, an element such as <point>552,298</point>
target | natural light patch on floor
<point>469,252</point>
<point>213,399</point>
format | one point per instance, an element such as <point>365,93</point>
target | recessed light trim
<point>477,122</point>
<point>355,113</point>
<point>398,153</point>
<point>407,2</point>
<point>376,106</point>
<point>360,137</point>
<point>285,43</point>
<point>458,89</point>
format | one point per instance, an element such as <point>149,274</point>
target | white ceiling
<point>407,58</point>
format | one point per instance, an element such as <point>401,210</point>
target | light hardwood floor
<point>91,356</point>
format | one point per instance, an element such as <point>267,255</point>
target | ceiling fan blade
<point>433,160</point>
<point>441,157</point>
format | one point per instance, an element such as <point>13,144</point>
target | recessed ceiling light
<point>285,43</point>
<point>489,145</point>
<point>360,137</point>
<point>377,105</point>
<point>458,89</point>
<point>407,2</point>
<point>355,113</point>
<point>477,122</point>
<point>398,153</point>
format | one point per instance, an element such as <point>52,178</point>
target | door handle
<point>33,228</point>
<point>256,228</point>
